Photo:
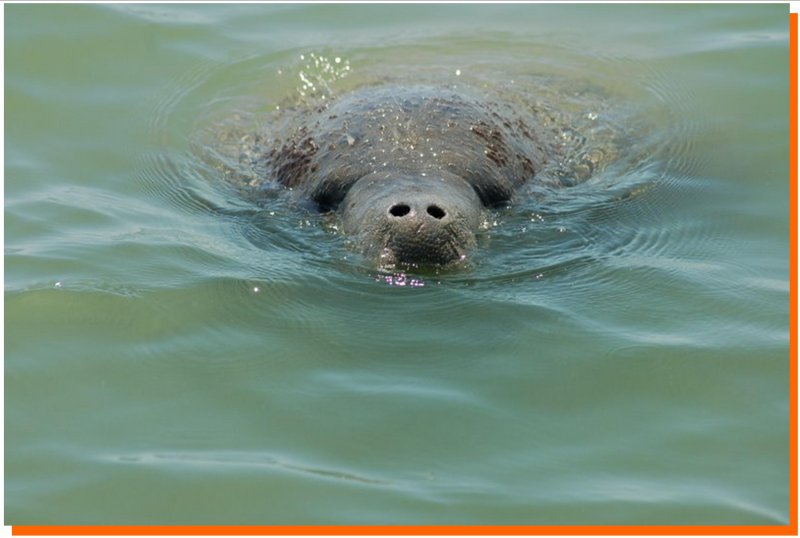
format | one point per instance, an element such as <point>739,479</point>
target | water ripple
<point>250,462</point>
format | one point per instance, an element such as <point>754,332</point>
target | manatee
<point>411,171</point>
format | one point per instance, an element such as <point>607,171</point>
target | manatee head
<point>409,169</point>
<point>412,219</point>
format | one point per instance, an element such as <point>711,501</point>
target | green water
<point>175,354</point>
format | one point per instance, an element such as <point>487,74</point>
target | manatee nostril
<point>436,212</point>
<point>399,210</point>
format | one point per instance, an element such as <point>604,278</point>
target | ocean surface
<point>616,352</point>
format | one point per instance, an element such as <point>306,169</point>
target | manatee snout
<point>412,219</point>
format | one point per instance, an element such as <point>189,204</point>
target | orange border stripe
<point>793,271</point>
<point>406,530</point>
<point>514,530</point>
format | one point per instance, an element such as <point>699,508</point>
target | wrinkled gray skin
<point>410,170</point>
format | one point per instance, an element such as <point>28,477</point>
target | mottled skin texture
<point>410,169</point>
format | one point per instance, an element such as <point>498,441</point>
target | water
<point>178,353</point>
